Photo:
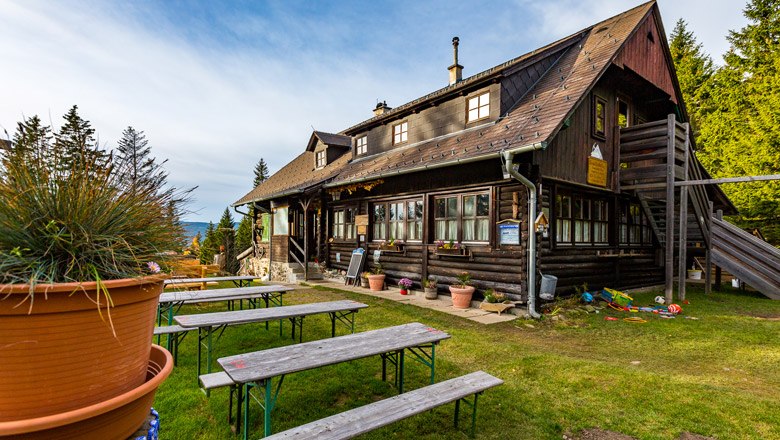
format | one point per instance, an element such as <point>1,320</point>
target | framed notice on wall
<point>361,222</point>
<point>509,232</point>
<point>597,172</point>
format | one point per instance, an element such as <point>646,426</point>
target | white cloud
<point>215,107</point>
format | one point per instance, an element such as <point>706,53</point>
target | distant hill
<point>192,228</point>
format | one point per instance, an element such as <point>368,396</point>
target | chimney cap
<point>455,40</point>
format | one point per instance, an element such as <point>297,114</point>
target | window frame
<point>583,223</point>
<point>347,222</point>
<point>361,146</point>
<point>637,233</point>
<point>402,136</point>
<point>401,221</point>
<point>320,159</point>
<point>595,117</point>
<point>460,216</point>
<point>478,108</point>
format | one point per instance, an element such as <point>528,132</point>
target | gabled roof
<point>535,119</point>
<point>294,178</point>
<point>328,139</point>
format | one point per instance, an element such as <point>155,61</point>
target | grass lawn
<point>717,376</point>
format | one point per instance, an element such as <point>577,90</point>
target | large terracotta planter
<point>113,419</point>
<point>376,282</point>
<point>461,296</point>
<point>59,355</point>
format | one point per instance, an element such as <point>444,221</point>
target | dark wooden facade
<point>624,245</point>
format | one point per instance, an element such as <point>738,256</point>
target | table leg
<point>332,325</point>
<point>267,409</point>
<point>401,373</point>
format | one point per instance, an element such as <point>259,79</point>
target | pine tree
<point>75,144</point>
<point>209,245</point>
<point>261,172</point>
<point>32,141</point>
<point>741,135</point>
<point>244,234</point>
<point>694,72</point>
<point>136,165</point>
<point>226,236</point>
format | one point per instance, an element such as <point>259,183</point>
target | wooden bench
<point>221,379</point>
<point>367,418</point>
<point>175,334</point>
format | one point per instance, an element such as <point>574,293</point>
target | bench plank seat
<point>215,380</point>
<point>384,412</point>
<point>168,329</point>
<point>270,314</point>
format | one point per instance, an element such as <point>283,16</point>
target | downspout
<point>510,169</point>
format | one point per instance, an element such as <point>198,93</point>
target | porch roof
<point>295,177</point>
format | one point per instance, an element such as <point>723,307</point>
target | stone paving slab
<point>442,304</point>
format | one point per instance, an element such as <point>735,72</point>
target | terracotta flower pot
<point>461,296</point>
<point>58,355</point>
<point>113,419</point>
<point>377,282</point>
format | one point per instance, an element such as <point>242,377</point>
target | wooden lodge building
<point>566,155</point>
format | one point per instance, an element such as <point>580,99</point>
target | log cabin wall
<point>501,267</point>
<point>280,245</point>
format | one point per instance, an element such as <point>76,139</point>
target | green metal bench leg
<point>473,430</point>
<point>401,374</point>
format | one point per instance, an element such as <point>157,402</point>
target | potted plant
<point>429,285</point>
<point>495,302</point>
<point>462,292</point>
<point>448,248</point>
<point>391,245</point>
<point>364,279</point>
<point>405,284</point>
<point>376,280</point>
<point>82,237</point>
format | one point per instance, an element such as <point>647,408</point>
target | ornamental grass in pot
<point>462,292</point>
<point>82,234</point>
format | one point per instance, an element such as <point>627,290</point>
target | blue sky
<point>218,85</point>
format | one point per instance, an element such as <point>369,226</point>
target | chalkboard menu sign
<point>355,265</point>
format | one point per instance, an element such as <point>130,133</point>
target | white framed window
<point>281,221</point>
<point>479,107</point>
<point>400,133</point>
<point>361,147</point>
<point>321,161</point>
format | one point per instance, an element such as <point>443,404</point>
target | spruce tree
<point>244,234</point>
<point>226,236</point>
<point>75,143</point>
<point>741,135</point>
<point>261,172</point>
<point>694,72</point>
<point>209,245</point>
<point>136,165</point>
<point>32,141</point>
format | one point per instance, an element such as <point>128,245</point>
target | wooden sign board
<point>361,222</point>
<point>597,172</point>
<point>355,265</point>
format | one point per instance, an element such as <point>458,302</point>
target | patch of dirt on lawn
<point>692,436</point>
<point>598,434</point>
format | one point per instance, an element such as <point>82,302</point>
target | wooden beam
<point>708,256</point>
<point>729,180</point>
<point>683,246</point>
<point>669,257</point>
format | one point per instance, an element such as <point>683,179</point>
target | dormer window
<point>361,147</point>
<point>479,107</point>
<point>321,158</point>
<point>400,133</point>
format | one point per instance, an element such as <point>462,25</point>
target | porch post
<point>682,264</point>
<point>708,258</point>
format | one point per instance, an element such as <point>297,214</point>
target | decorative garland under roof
<point>353,187</point>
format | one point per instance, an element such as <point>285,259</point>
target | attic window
<point>479,107</point>
<point>601,29</point>
<point>599,117</point>
<point>650,37</point>
<point>400,133</point>
<point>321,159</point>
<point>361,146</point>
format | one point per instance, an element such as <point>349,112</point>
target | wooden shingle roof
<point>536,118</point>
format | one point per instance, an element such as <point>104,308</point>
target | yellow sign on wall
<point>597,172</point>
<point>361,221</point>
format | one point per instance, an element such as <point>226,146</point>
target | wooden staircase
<point>659,166</point>
<point>655,158</point>
<point>753,261</point>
